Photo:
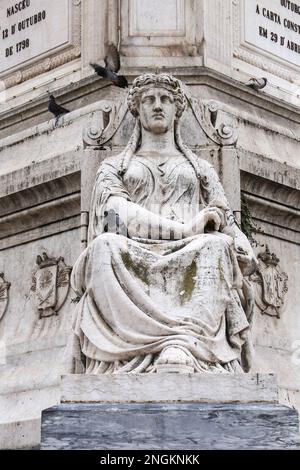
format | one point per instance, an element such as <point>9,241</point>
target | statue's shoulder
<point>206,168</point>
<point>112,162</point>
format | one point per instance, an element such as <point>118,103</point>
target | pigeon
<point>257,83</point>
<point>56,109</point>
<point>113,223</point>
<point>112,66</point>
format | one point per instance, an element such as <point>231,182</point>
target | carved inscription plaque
<point>31,28</point>
<point>274,27</point>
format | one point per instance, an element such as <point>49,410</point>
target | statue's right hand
<point>210,216</point>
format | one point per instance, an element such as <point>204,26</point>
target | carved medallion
<point>4,288</point>
<point>270,284</point>
<point>50,282</point>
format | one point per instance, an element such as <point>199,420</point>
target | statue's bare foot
<point>173,359</point>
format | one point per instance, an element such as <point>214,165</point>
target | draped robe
<point>139,296</point>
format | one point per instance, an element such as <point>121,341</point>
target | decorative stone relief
<point>270,284</point>
<point>50,283</point>
<point>4,288</point>
<point>104,122</point>
<point>219,125</point>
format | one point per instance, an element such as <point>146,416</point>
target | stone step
<point>169,387</point>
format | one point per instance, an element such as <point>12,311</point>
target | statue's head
<point>157,100</point>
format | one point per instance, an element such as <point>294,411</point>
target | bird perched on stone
<point>257,83</point>
<point>56,109</point>
<point>112,66</point>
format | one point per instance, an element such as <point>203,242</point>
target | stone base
<point>169,387</point>
<point>169,411</point>
<point>169,426</point>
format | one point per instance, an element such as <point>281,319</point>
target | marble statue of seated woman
<point>163,295</point>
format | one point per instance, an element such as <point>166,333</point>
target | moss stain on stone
<point>139,269</point>
<point>164,273</point>
<point>189,281</point>
<point>248,226</point>
<point>221,270</point>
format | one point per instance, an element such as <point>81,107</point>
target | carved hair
<point>143,82</point>
<point>139,86</point>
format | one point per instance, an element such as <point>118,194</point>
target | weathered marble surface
<point>208,34</point>
<point>139,388</point>
<point>167,291</point>
<point>169,426</point>
<point>271,133</point>
<point>20,434</point>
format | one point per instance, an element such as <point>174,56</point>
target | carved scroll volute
<point>104,122</point>
<point>218,125</point>
<point>4,288</point>
<point>221,126</point>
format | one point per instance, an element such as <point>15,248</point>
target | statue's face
<point>157,110</point>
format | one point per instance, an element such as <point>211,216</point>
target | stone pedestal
<point>169,411</point>
<point>169,426</point>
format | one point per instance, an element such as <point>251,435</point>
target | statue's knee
<point>107,239</point>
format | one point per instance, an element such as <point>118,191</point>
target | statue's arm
<point>111,194</point>
<point>216,197</point>
<point>245,254</point>
<point>140,222</point>
<point>143,223</point>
